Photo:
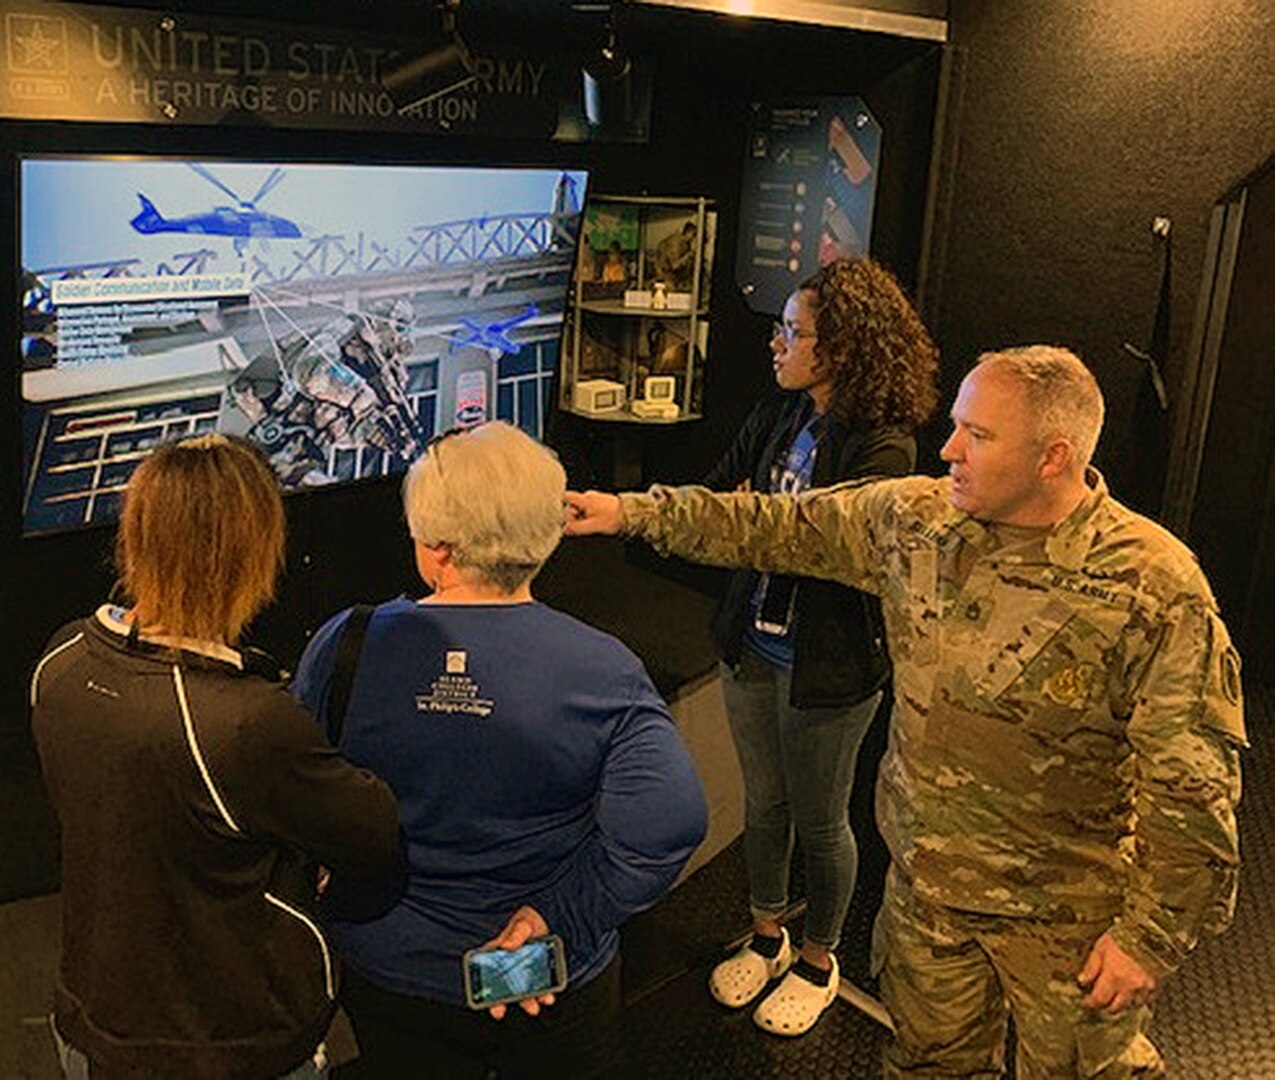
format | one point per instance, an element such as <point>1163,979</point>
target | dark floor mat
<point>673,1026</point>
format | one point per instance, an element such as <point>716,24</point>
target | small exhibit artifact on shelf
<point>658,400</point>
<point>654,410</point>
<point>659,388</point>
<point>658,298</point>
<point>649,321</point>
<point>594,396</point>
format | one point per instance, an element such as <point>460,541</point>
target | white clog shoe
<point>738,980</point>
<point>796,1004</point>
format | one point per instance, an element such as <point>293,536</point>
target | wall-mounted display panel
<point>335,314</point>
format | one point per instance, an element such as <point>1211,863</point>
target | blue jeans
<point>798,767</point>
<point>75,1063</point>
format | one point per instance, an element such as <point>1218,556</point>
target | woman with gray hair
<point>542,785</point>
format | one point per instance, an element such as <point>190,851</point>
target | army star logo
<point>37,44</point>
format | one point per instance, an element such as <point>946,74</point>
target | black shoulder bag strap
<point>348,651</point>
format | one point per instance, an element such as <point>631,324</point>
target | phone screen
<point>496,975</point>
<point>774,613</point>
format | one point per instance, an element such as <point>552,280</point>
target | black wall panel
<point>1233,524</point>
<point>1080,122</point>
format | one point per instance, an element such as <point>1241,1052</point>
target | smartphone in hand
<point>494,975</point>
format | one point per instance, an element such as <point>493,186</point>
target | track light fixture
<point>433,74</point>
<point>608,83</point>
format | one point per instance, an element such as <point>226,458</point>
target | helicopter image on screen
<point>242,223</point>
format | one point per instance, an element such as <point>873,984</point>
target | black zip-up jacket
<point>194,799</point>
<point>840,652</point>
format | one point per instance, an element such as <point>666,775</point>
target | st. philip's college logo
<point>455,692</point>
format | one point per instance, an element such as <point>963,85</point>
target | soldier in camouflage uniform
<point>1059,788</point>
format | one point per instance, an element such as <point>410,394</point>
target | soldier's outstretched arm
<point>826,533</point>
<point>593,513</point>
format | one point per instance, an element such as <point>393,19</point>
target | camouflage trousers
<point>952,979</point>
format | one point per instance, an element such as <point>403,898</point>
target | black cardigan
<point>840,653</point>
<point>193,796</point>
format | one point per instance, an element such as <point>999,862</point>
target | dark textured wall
<point>709,70</point>
<point>1079,122</point>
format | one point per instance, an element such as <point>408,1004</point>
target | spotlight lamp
<point>435,73</point>
<point>608,86</point>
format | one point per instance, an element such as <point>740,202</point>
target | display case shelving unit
<point>636,332</point>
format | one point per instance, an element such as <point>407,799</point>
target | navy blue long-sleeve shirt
<point>533,762</point>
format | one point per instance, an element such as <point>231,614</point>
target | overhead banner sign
<point>907,18</point>
<point>129,65</point>
<point>809,188</point>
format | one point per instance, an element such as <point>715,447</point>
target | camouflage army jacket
<point>1065,738</point>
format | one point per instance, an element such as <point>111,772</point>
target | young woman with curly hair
<point>804,661</point>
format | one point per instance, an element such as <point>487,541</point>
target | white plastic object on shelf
<point>598,396</point>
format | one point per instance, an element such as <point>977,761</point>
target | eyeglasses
<point>436,439</point>
<point>432,446</point>
<point>789,333</point>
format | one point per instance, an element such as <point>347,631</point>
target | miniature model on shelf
<point>636,331</point>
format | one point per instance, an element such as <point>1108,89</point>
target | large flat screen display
<point>335,314</point>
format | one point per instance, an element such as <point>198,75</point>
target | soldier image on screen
<point>341,389</point>
<point>39,324</point>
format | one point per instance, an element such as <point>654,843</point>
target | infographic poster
<point>809,185</point>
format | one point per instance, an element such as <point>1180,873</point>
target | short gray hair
<point>1062,393</point>
<point>495,496</point>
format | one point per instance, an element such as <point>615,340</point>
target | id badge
<point>778,600</point>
